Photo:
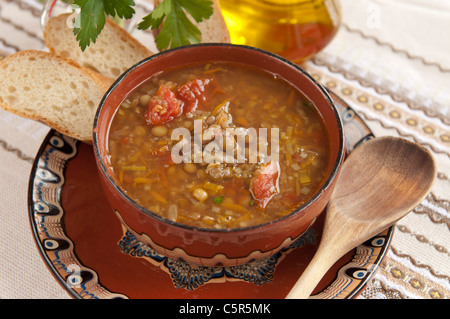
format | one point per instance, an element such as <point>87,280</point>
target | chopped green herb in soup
<point>218,145</point>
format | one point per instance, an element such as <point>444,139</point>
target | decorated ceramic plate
<point>93,255</point>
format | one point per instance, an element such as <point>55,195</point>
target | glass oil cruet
<point>294,29</point>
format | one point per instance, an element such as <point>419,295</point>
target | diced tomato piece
<point>264,185</point>
<point>192,93</point>
<point>163,107</point>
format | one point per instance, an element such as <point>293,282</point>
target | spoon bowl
<point>380,182</point>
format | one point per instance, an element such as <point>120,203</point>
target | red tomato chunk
<point>264,185</point>
<point>163,107</point>
<point>192,93</point>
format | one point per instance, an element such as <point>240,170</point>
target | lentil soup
<point>158,142</point>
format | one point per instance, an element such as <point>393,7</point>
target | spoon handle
<point>314,272</point>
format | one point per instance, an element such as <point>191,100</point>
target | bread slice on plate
<point>53,90</point>
<point>114,51</point>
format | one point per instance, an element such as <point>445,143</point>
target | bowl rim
<point>331,177</point>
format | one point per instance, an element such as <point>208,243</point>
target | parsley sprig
<point>177,29</point>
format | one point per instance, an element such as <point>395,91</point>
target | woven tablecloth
<point>390,62</point>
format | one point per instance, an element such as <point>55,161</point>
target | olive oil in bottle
<point>295,29</point>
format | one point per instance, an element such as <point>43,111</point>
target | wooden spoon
<point>380,182</point>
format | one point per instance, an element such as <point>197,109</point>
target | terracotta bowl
<point>211,247</point>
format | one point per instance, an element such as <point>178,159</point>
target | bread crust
<point>24,78</point>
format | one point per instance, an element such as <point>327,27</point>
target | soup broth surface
<point>218,145</point>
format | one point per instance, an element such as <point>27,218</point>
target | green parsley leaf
<point>157,16</point>
<point>198,9</point>
<point>92,17</point>
<point>218,200</point>
<point>119,8</point>
<point>177,29</point>
<point>92,21</point>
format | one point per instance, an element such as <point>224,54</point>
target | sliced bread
<point>47,88</point>
<point>215,29</point>
<point>114,51</point>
